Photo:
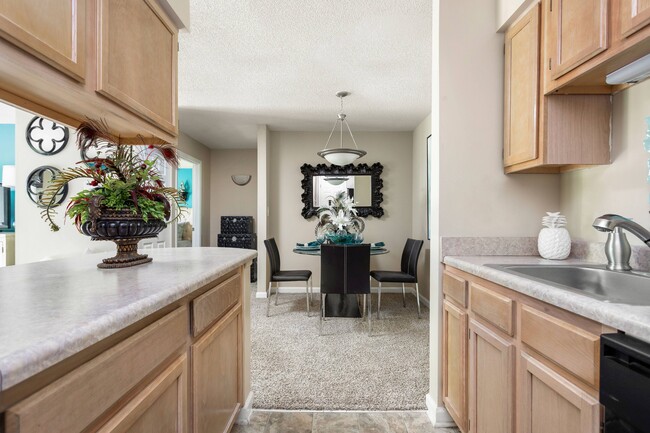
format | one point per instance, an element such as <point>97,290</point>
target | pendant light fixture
<point>341,155</point>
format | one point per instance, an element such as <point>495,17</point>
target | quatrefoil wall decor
<point>46,137</point>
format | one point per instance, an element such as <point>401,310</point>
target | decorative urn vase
<point>554,241</point>
<point>126,229</point>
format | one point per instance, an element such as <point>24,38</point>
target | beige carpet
<point>345,369</point>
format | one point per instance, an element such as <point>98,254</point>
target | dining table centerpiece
<point>126,201</point>
<point>339,223</point>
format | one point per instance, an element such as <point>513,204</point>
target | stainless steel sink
<point>595,281</point>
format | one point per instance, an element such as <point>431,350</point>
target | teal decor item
<point>339,223</point>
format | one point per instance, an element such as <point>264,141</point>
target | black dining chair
<point>280,276</point>
<point>407,275</point>
<point>344,271</point>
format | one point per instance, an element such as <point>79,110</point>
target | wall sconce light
<point>241,179</point>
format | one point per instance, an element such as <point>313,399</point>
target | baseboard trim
<point>438,415</point>
<point>246,411</point>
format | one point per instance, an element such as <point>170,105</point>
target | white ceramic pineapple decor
<point>554,241</point>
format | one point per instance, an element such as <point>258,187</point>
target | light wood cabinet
<point>159,375</point>
<point>454,362</point>
<point>161,407</point>
<point>634,15</point>
<point>551,404</point>
<point>52,30</point>
<point>217,375</point>
<point>491,381</point>
<point>511,363</point>
<point>576,32</point>
<point>138,46</point>
<point>70,60</point>
<point>521,90</point>
<point>554,133</point>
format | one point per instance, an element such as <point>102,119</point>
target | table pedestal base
<point>341,305</point>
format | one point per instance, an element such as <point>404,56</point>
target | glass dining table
<point>339,305</point>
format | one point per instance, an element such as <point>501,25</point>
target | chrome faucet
<point>617,248</point>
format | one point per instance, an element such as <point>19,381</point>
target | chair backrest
<point>410,257</point>
<point>274,255</point>
<point>345,269</point>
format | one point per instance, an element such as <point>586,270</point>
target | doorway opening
<point>187,228</point>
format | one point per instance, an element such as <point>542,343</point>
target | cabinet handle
<point>549,63</point>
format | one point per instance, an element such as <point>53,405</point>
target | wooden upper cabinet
<point>577,31</point>
<point>138,49</point>
<point>634,15</point>
<point>454,363</point>
<point>52,30</point>
<point>522,90</point>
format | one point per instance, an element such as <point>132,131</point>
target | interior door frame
<point>196,199</point>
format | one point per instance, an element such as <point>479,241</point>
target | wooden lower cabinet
<point>217,375</point>
<point>513,364</point>
<point>161,407</point>
<point>454,364</point>
<point>491,381</point>
<point>549,403</point>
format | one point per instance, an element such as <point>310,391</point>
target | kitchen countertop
<point>632,319</point>
<point>52,310</point>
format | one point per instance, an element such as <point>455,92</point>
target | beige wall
<point>193,148</point>
<point>475,197</point>
<point>419,191</point>
<point>289,150</point>
<point>621,187</point>
<point>34,239</point>
<point>228,198</point>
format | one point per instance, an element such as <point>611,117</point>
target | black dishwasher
<point>625,383</point>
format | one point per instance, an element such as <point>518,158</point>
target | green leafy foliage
<point>124,177</point>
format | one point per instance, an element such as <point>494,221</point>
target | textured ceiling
<point>250,62</point>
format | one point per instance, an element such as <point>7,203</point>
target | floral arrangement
<point>339,221</point>
<point>122,177</point>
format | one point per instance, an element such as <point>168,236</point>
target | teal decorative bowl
<point>343,239</point>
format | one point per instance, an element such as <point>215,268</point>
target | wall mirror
<point>362,182</point>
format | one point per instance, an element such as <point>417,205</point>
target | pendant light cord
<point>342,120</point>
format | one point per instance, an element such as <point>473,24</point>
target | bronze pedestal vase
<point>126,229</point>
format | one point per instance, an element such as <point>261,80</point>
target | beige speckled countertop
<point>632,319</point>
<point>52,310</point>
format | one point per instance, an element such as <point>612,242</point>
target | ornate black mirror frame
<point>309,171</point>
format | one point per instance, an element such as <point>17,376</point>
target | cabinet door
<point>217,375</point>
<point>551,404</point>
<point>634,15</point>
<point>577,32</point>
<point>138,51</point>
<point>52,30</point>
<point>521,90</point>
<point>454,362</point>
<point>491,381</point>
<point>161,407</point>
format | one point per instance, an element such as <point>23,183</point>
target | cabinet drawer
<point>455,288</point>
<point>76,400</point>
<point>572,348</point>
<point>214,303</point>
<point>495,308</point>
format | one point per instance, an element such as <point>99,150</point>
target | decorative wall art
<point>46,137</point>
<point>38,181</point>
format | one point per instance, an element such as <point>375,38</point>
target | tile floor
<point>339,422</point>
